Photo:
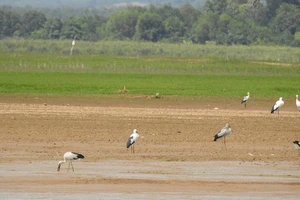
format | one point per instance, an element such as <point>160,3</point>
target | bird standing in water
<point>69,156</point>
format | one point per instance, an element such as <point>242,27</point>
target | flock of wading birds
<point>226,130</point>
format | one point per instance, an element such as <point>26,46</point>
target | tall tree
<point>90,24</point>
<point>174,29</point>
<point>215,6</point>
<point>205,28</point>
<point>287,19</point>
<point>286,23</point>
<point>52,28</point>
<point>273,5</point>
<point>31,21</point>
<point>189,16</point>
<point>10,23</point>
<point>122,24</point>
<point>71,28</point>
<point>165,11</point>
<point>223,29</point>
<point>149,27</point>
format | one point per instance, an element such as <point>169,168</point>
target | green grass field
<point>105,74</point>
<point>60,83</point>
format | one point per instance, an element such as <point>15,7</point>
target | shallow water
<point>125,179</point>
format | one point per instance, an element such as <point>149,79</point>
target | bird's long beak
<point>58,167</point>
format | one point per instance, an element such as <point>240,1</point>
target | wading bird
<point>223,133</point>
<point>132,139</point>
<point>73,44</point>
<point>297,146</point>
<point>277,105</point>
<point>297,102</point>
<point>69,156</point>
<point>245,99</point>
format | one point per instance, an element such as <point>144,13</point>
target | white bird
<point>245,99</point>
<point>223,133</point>
<point>73,44</point>
<point>297,102</point>
<point>132,139</point>
<point>69,156</point>
<point>277,105</point>
<point>297,146</point>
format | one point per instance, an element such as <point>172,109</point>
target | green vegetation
<point>137,49</point>
<point>94,3</point>
<point>184,70</point>
<point>63,83</point>
<point>224,22</point>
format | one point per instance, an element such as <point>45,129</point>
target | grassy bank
<point>60,83</point>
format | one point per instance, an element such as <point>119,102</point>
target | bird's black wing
<point>297,143</point>
<point>78,155</point>
<point>129,142</point>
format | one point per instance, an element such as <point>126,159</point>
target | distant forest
<point>97,3</point>
<point>224,22</point>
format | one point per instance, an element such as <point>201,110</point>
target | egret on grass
<point>132,139</point>
<point>73,44</point>
<point>223,133</point>
<point>277,105</point>
<point>297,146</point>
<point>297,102</point>
<point>69,156</point>
<point>245,99</point>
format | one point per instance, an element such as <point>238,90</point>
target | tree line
<point>225,22</point>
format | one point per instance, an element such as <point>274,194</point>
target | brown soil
<point>175,157</point>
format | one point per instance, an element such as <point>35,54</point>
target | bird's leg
<point>133,148</point>
<point>245,105</point>
<point>72,166</point>
<point>225,142</point>
<point>71,52</point>
<point>69,166</point>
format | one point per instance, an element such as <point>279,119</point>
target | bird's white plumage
<point>246,98</point>
<point>73,44</point>
<point>132,139</point>
<point>69,156</point>
<point>297,102</point>
<point>223,133</point>
<point>297,146</point>
<point>226,130</point>
<point>277,105</point>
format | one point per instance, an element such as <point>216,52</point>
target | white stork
<point>277,105</point>
<point>297,102</point>
<point>223,133</point>
<point>245,99</point>
<point>69,156</point>
<point>132,139</point>
<point>297,146</point>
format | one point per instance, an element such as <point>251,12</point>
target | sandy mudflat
<point>175,157</point>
